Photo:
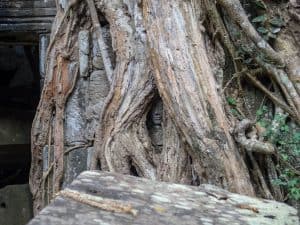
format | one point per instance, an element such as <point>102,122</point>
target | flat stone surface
<point>112,199</point>
<point>15,205</point>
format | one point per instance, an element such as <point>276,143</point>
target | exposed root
<point>101,43</point>
<point>251,76</point>
<point>85,146</point>
<point>251,145</point>
<point>238,14</point>
<point>99,202</point>
<point>275,64</point>
<point>264,189</point>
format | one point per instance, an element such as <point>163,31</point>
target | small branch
<point>251,145</point>
<point>263,184</point>
<point>99,202</point>
<point>235,75</point>
<point>85,146</point>
<point>287,164</point>
<point>285,84</point>
<point>46,174</point>
<point>102,45</point>
<point>270,95</point>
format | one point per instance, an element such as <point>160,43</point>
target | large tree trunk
<point>135,87</point>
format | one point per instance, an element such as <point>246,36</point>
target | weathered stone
<point>155,126</point>
<point>90,155</point>
<point>15,205</point>
<point>110,198</point>
<point>75,125</point>
<point>43,45</point>
<point>14,15</point>
<point>97,58</point>
<point>76,164</point>
<point>84,49</point>
<point>75,114</point>
<point>98,90</point>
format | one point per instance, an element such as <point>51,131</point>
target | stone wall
<point>26,15</point>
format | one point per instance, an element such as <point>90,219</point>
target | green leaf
<point>260,19</point>
<point>261,4</point>
<point>278,182</point>
<point>285,128</point>
<point>285,157</point>
<point>259,112</point>
<point>231,101</point>
<point>295,193</point>
<point>296,137</point>
<point>293,182</point>
<point>262,30</point>
<point>277,21</point>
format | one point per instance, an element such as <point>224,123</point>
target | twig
<point>271,96</point>
<point>235,75</point>
<point>76,147</point>
<point>99,202</point>
<point>248,207</point>
<point>46,174</point>
<point>294,170</point>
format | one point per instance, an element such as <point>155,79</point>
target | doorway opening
<point>19,97</point>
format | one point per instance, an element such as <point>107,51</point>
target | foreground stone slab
<point>113,199</point>
<point>15,205</point>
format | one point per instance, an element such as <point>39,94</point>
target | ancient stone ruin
<point>115,199</point>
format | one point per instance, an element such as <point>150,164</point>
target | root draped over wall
<point>145,85</point>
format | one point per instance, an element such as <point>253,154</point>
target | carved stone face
<point>157,113</point>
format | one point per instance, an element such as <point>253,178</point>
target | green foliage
<point>234,108</point>
<point>260,113</point>
<point>260,19</point>
<point>277,21</point>
<point>231,101</point>
<point>291,182</point>
<point>267,26</point>
<point>287,141</point>
<point>261,4</point>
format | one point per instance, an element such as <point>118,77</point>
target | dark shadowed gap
<point>133,169</point>
<point>19,96</point>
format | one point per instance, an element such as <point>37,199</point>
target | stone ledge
<point>114,199</point>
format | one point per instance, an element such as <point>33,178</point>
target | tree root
<point>238,14</point>
<point>251,76</point>
<point>101,43</point>
<point>99,202</point>
<point>85,146</point>
<point>251,145</point>
<point>262,183</point>
<point>276,63</point>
